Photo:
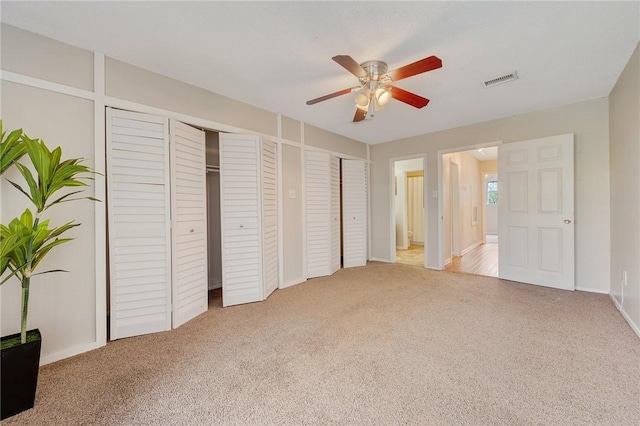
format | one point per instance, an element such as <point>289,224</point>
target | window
<point>492,193</point>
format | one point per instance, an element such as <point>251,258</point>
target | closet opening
<point>214,248</point>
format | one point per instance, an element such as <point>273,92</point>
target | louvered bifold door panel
<point>335,214</point>
<point>189,216</point>
<point>354,213</point>
<point>269,216</point>
<point>318,213</point>
<point>240,205</point>
<point>139,223</point>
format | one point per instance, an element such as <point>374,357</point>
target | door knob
<point>567,221</point>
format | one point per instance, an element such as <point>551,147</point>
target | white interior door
<point>536,214</point>
<point>270,216</point>
<point>335,214</point>
<point>240,204</point>
<point>354,213</point>
<point>318,204</point>
<point>189,217</point>
<point>139,223</point>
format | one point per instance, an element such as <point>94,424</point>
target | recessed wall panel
<point>519,241</point>
<point>518,191</point>
<point>550,191</point>
<point>550,258</point>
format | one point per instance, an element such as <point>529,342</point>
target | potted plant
<point>24,243</point>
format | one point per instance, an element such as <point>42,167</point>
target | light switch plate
<point>292,193</point>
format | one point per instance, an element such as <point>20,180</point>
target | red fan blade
<point>350,64</point>
<point>329,96</point>
<point>360,114</point>
<point>423,65</point>
<point>408,97</point>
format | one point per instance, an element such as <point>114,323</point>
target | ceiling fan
<point>375,89</point>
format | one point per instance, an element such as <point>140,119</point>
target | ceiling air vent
<point>502,79</point>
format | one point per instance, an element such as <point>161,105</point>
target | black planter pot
<point>19,374</point>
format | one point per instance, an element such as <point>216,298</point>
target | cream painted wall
<point>135,84</point>
<point>624,115</point>
<point>589,121</point>
<point>61,305</point>
<point>291,129</point>
<point>46,59</point>
<point>319,138</point>
<point>292,215</point>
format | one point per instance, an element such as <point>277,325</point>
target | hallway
<point>483,260</point>
<point>414,255</point>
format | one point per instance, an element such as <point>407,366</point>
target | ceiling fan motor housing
<point>375,70</point>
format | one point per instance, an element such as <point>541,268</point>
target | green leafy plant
<point>11,148</point>
<point>25,241</point>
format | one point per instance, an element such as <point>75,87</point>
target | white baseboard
<point>592,290</point>
<point>70,352</point>
<point>471,247</point>
<point>292,282</point>
<point>378,259</point>
<point>401,247</point>
<point>447,261</point>
<point>417,243</point>
<point>633,326</point>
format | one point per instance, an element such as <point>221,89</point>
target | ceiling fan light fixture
<point>383,96</point>
<point>362,99</point>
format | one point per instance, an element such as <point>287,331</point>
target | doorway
<point>408,216</point>
<point>469,211</point>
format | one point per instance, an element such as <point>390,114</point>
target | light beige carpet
<point>383,344</point>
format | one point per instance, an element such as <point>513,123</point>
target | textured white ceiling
<point>277,55</point>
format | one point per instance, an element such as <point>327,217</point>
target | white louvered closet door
<point>335,214</point>
<point>240,204</point>
<point>354,213</point>
<point>269,216</point>
<point>189,216</point>
<point>318,213</point>
<point>139,223</point>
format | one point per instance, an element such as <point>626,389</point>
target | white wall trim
<point>293,282</point>
<point>100,218</point>
<point>69,353</point>
<point>633,326</point>
<point>471,247</point>
<point>288,142</point>
<point>335,153</point>
<point>591,290</point>
<point>47,85</point>
<point>280,213</point>
<point>303,195</point>
<point>379,259</point>
<point>185,118</point>
<point>368,202</point>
